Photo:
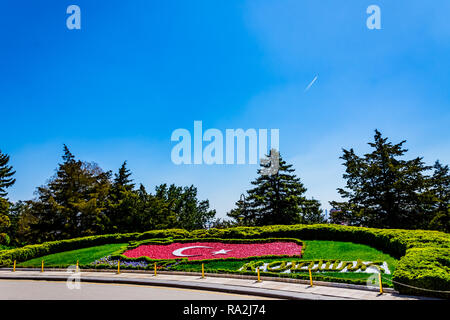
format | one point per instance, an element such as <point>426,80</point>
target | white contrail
<point>312,82</point>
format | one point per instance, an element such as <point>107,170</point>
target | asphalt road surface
<point>57,290</point>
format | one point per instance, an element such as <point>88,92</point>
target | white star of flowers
<point>222,251</point>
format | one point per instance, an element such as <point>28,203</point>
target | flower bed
<point>201,250</point>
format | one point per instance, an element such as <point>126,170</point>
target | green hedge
<point>424,255</point>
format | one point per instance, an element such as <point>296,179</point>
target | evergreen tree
<point>122,178</point>
<point>155,211</point>
<point>440,189</point>
<point>4,221</point>
<point>219,223</point>
<point>72,203</point>
<point>6,173</point>
<point>383,190</point>
<point>122,202</point>
<point>185,210</point>
<point>194,214</point>
<point>6,181</point>
<point>20,223</point>
<point>278,198</point>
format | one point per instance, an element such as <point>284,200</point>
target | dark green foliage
<point>222,223</point>
<point>6,173</point>
<point>5,222</point>
<point>169,207</point>
<point>6,181</point>
<point>21,219</point>
<point>122,180</point>
<point>277,199</point>
<point>386,191</point>
<point>188,212</point>
<point>440,191</point>
<point>73,202</point>
<point>122,202</point>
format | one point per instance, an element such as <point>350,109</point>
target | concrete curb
<point>227,275</point>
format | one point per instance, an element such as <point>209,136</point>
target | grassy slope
<point>64,259</point>
<point>345,251</point>
<point>316,250</point>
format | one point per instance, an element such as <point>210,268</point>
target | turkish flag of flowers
<point>213,250</point>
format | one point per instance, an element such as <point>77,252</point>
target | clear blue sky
<point>137,70</point>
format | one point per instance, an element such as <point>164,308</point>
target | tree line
<point>383,189</point>
<point>81,199</point>
<point>386,190</point>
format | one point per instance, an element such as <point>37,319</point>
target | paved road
<point>195,287</point>
<point>51,290</point>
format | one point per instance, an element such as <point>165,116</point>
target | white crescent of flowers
<point>179,252</point>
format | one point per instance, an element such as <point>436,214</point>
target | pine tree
<point>72,203</point>
<point>122,178</point>
<point>4,221</point>
<point>185,210</point>
<point>122,203</point>
<point>383,190</point>
<point>278,198</point>
<point>6,173</point>
<point>6,181</point>
<point>154,211</point>
<point>440,188</point>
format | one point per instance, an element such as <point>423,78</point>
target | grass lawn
<point>67,258</point>
<point>345,251</point>
<point>316,249</point>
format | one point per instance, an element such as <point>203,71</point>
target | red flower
<point>213,250</point>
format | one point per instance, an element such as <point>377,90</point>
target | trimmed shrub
<point>4,239</point>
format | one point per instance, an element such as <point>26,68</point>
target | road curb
<point>232,276</point>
